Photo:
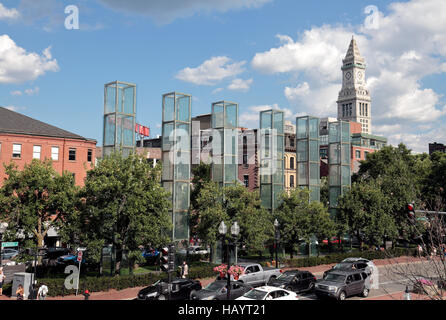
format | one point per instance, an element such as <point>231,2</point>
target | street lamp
<point>276,239</point>
<point>235,230</point>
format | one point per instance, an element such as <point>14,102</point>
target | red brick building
<point>23,139</point>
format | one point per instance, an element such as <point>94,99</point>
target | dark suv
<point>342,284</point>
<point>350,264</point>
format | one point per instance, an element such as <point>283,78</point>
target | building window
<point>36,152</point>
<point>246,180</point>
<point>358,154</point>
<point>17,151</point>
<point>292,163</point>
<point>291,181</point>
<point>55,153</point>
<point>72,155</point>
<point>351,111</point>
<point>89,155</point>
<point>291,142</point>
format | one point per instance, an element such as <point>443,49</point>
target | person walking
<point>43,291</point>
<point>2,280</point>
<point>20,292</point>
<point>184,270</point>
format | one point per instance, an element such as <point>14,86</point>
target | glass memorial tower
<point>225,143</point>
<point>271,157</point>
<point>308,155</point>
<point>339,180</point>
<point>176,155</point>
<point>119,118</point>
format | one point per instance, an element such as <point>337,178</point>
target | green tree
<point>300,220</point>
<point>230,204</point>
<point>35,199</point>
<point>123,205</point>
<point>201,176</point>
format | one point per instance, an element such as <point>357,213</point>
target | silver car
<point>8,254</point>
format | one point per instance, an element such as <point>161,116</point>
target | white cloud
<point>31,92</point>
<point>17,65</point>
<point>8,14</point>
<point>217,90</point>
<point>166,11</point>
<point>240,85</point>
<point>211,71</point>
<point>408,45</point>
<point>16,93</point>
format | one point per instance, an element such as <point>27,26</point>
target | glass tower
<point>225,143</point>
<point>271,157</point>
<point>119,118</point>
<point>308,155</point>
<point>339,162</point>
<point>176,140</point>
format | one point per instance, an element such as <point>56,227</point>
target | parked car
<point>51,255</point>
<point>295,280</point>
<point>353,264</point>
<point>182,289</point>
<point>197,250</point>
<point>217,290</point>
<point>269,293</point>
<point>256,275</point>
<point>8,254</point>
<point>342,284</point>
<point>69,259</point>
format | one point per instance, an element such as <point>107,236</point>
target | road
<point>392,279</point>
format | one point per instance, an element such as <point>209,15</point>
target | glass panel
<point>345,132</point>
<point>314,128</point>
<point>278,122</point>
<point>217,172</point>
<point>333,196</point>
<point>129,94</point>
<point>167,167</point>
<point>335,175</point>
<point>278,175</point>
<point>109,132</point>
<point>125,131</point>
<point>345,154</point>
<point>183,138</point>
<point>279,146</point>
<point>169,108</point>
<point>231,141</point>
<point>168,187</point>
<point>231,116</point>
<point>217,116</point>
<point>301,128</point>
<point>333,154</point>
<point>230,171</point>
<point>314,174</point>
<point>181,226</point>
<point>120,100</point>
<point>345,175</point>
<point>182,171</point>
<point>315,194</point>
<point>314,151</point>
<point>302,174</point>
<point>181,195</point>
<point>265,120</point>
<point>110,103</point>
<point>302,152</point>
<point>277,191</point>
<point>183,105</point>
<point>333,133</point>
<point>168,136</point>
<point>265,195</point>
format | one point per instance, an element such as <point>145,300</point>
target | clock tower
<point>354,102</point>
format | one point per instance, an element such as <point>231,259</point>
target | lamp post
<point>235,230</point>
<point>276,239</point>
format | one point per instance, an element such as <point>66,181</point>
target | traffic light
<point>164,259</point>
<point>171,258</point>
<point>411,211</point>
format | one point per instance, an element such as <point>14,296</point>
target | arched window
<point>292,163</point>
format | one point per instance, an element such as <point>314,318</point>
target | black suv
<point>348,265</point>
<point>295,280</point>
<point>342,284</point>
<point>182,289</point>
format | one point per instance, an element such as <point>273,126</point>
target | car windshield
<point>335,277</point>
<point>342,266</point>
<point>214,286</point>
<point>255,294</point>
<point>286,276</point>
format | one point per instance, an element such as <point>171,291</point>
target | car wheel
<point>162,297</point>
<point>365,292</point>
<point>342,296</point>
<point>191,294</point>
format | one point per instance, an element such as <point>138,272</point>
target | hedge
<point>337,257</point>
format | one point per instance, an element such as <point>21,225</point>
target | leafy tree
<point>230,204</point>
<point>123,205</point>
<point>201,176</point>
<point>300,220</point>
<point>434,183</point>
<point>35,199</point>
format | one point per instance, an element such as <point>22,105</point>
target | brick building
<point>23,139</point>
<point>436,147</point>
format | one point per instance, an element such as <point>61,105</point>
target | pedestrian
<point>2,279</point>
<point>43,291</point>
<point>420,250</point>
<point>20,292</point>
<point>184,270</point>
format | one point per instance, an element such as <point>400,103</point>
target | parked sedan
<point>269,293</point>
<point>182,289</point>
<point>8,254</point>
<point>295,280</point>
<point>217,290</point>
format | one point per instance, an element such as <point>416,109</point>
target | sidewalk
<point>131,293</point>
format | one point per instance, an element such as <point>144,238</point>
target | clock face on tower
<point>359,74</point>
<point>348,75</point>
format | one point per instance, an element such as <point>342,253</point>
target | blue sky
<point>259,53</point>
